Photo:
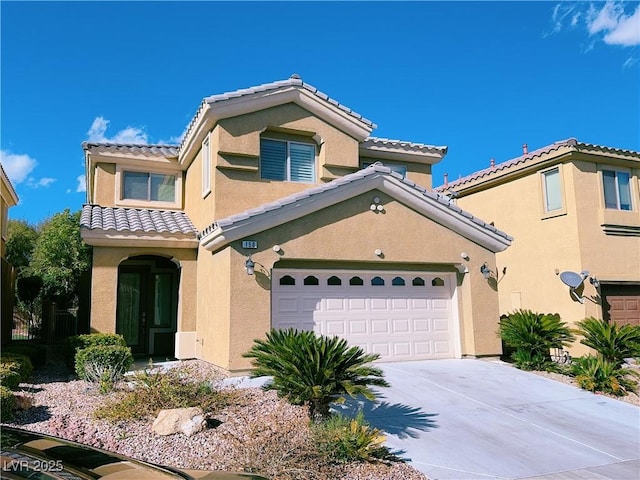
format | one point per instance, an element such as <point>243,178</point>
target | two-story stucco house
<point>279,209</point>
<point>8,199</point>
<point>571,206</point>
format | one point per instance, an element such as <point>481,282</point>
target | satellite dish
<point>572,279</point>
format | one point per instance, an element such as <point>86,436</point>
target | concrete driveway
<point>472,419</point>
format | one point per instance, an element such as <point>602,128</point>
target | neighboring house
<point>571,206</point>
<point>8,199</point>
<point>277,210</point>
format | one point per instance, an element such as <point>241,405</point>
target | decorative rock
<point>187,421</point>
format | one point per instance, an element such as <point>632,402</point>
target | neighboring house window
<point>206,167</point>
<point>617,192</point>
<point>401,169</point>
<point>155,187</point>
<point>552,190</point>
<point>290,161</point>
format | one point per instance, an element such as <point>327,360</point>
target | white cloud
<point>610,22</point>
<point>82,184</point>
<point>18,167</point>
<point>43,182</point>
<point>98,130</point>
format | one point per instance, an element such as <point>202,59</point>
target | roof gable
<point>430,204</point>
<point>248,100</point>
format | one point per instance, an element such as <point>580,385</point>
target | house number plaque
<point>249,244</point>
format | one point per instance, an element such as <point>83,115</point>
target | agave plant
<point>597,374</point>
<point>314,370</point>
<point>533,335</point>
<point>614,342</point>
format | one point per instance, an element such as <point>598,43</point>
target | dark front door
<point>148,305</point>
<point>133,307</point>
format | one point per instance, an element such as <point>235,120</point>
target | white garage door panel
<point>399,322</point>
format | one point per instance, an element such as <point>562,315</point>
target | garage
<point>402,315</point>
<point>621,303</point>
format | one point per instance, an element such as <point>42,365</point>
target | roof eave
<point>211,113</point>
<point>114,238</point>
<point>459,222</point>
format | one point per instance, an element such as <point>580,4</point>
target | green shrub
<point>155,390</point>
<point>79,342</point>
<point>103,364</point>
<point>614,342</point>
<point>341,439</point>
<point>533,335</point>
<point>7,404</point>
<point>314,370</point>
<point>36,353</point>
<point>597,374</point>
<point>9,376</point>
<point>21,363</point>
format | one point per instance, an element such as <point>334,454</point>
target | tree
<point>21,240</point>
<point>60,256</point>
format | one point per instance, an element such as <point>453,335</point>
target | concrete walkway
<point>472,419</point>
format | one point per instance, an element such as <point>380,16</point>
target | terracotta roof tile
<point>294,81</point>
<point>353,177</point>
<point>388,142</point>
<point>532,156</point>
<point>96,217</point>
<point>169,151</point>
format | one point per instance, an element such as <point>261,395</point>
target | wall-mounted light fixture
<point>376,206</point>
<point>485,271</point>
<point>249,264</point>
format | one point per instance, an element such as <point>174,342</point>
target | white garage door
<point>400,315</point>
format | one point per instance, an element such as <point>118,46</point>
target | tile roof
<point>530,157</point>
<point>133,148</point>
<point>293,81</point>
<point>131,220</point>
<point>376,168</point>
<point>418,147</point>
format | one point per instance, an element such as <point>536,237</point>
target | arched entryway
<point>146,312</point>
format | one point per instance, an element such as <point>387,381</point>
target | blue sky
<point>482,77</point>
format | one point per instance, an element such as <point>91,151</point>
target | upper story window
<point>150,187</point>
<point>206,167</point>
<point>552,190</point>
<point>617,192</point>
<point>288,161</point>
<point>401,169</point>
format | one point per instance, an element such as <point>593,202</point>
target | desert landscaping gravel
<point>264,433</point>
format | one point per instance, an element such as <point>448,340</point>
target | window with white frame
<point>150,187</point>
<point>401,169</point>
<point>552,190</point>
<point>206,167</point>
<point>288,161</point>
<point>617,190</point>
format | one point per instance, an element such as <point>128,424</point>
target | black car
<point>33,455</point>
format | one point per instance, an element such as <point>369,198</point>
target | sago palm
<point>533,335</point>
<point>614,342</point>
<point>314,370</point>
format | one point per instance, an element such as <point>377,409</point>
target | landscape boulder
<point>187,421</point>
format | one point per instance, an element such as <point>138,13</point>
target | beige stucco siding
<point>350,233</point>
<point>104,285</point>
<point>105,185</point>
<point>213,326</point>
